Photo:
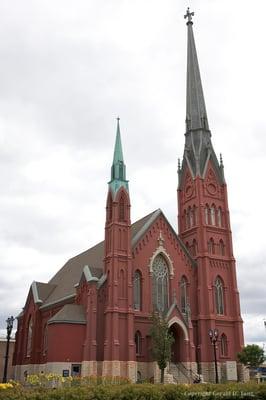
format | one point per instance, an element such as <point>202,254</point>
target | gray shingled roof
<point>62,285</point>
<point>69,314</point>
<point>69,275</point>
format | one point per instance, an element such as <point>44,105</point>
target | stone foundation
<point>207,370</point>
<point>126,369</point>
<point>227,372</point>
<point>243,373</point>
<point>89,368</point>
<point>149,371</point>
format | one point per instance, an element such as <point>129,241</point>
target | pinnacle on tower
<point>118,170</point>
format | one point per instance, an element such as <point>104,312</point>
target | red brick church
<point>92,317</point>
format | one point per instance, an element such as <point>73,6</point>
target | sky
<point>67,70</point>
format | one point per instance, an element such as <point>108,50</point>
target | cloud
<point>67,70</point>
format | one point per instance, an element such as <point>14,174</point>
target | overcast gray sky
<point>67,69</point>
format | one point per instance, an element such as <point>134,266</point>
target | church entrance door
<point>178,345</point>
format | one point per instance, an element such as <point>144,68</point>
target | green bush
<point>94,391</point>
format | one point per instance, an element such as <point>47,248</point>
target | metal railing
<point>188,373</point>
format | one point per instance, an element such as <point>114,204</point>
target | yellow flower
<point>6,385</point>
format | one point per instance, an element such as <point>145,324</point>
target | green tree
<point>162,341</point>
<point>252,356</point>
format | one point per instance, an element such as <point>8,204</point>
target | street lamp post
<point>9,326</point>
<point>213,335</point>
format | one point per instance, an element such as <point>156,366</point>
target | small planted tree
<point>251,356</point>
<point>162,341</point>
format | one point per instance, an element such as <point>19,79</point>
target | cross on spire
<point>189,16</point>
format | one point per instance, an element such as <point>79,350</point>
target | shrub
<point>96,391</point>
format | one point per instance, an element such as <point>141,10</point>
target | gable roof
<point>69,275</point>
<point>64,281</point>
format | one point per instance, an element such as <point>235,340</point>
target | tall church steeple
<point>204,223</point>
<point>118,170</point>
<point>118,268</point>
<point>198,146</point>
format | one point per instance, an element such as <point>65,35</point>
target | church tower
<point>204,226</point>
<point>119,348</point>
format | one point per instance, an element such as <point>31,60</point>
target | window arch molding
<point>161,250</point>
<point>178,321</point>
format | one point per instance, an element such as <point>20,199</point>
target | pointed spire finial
<point>118,153</point>
<point>189,16</point>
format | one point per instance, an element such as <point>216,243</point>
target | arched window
<point>110,212</point>
<point>119,239</point>
<point>219,296</point>
<point>213,215</point>
<point>183,294</point>
<point>207,213</point>
<point>139,379</point>
<point>29,338</point>
<point>45,339</point>
<point>219,217</point>
<point>121,209</point>
<point>191,218</point>
<point>138,343</point>
<point>195,215</point>
<point>121,170</point>
<point>211,246</point>
<point>160,276</point>
<point>109,207</point>
<point>137,290</point>
<point>221,247</point>
<point>194,247</point>
<point>224,345</point>
<point>121,286</point>
<point>188,219</point>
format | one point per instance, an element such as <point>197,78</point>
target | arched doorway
<point>179,346</point>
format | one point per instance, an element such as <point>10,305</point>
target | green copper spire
<point>118,170</point>
<point>118,153</point>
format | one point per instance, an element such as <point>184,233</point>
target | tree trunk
<point>162,375</point>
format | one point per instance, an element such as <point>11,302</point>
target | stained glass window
<point>183,294</point>
<point>160,278</point>
<point>29,338</point>
<point>219,296</point>
<point>137,290</point>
